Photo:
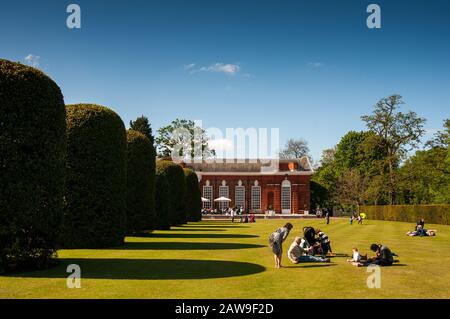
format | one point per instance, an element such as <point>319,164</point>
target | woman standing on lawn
<point>276,240</point>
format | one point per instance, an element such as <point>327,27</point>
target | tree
<point>140,182</point>
<point>96,178</point>
<point>162,201</point>
<point>397,130</point>
<point>323,181</point>
<point>32,161</point>
<point>184,140</point>
<point>442,137</point>
<point>193,196</point>
<point>177,188</point>
<point>142,125</point>
<point>351,188</point>
<point>295,148</point>
<point>425,176</point>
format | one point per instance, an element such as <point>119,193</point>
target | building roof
<point>268,166</point>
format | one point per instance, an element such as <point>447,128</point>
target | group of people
<point>421,231</point>
<point>314,246</point>
<point>384,257</point>
<point>243,218</point>
<point>355,216</point>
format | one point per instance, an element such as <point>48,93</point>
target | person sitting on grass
<point>276,240</point>
<point>421,223</point>
<point>384,256</point>
<point>324,243</point>
<point>298,254</point>
<point>357,260</point>
<point>421,232</point>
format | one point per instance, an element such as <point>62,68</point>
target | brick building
<point>259,185</point>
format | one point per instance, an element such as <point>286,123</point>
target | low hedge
<point>433,214</point>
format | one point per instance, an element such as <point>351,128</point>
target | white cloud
<point>32,60</point>
<point>226,68</point>
<point>189,66</point>
<point>316,64</point>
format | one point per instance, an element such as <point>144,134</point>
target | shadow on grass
<point>338,255</point>
<point>194,229</point>
<point>310,265</point>
<point>147,269</point>
<point>213,226</point>
<point>181,235</point>
<point>183,246</point>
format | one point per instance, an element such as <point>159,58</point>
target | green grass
<point>217,259</point>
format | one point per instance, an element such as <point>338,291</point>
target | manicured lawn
<point>217,259</point>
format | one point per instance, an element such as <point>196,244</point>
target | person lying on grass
<point>325,244</point>
<point>276,240</point>
<point>420,231</point>
<point>298,254</point>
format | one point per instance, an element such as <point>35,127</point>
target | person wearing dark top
<point>384,255</point>
<point>421,223</point>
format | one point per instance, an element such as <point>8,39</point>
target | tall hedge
<point>162,202</point>
<point>433,214</point>
<point>140,182</point>
<point>177,187</point>
<point>32,146</point>
<point>95,211</point>
<point>193,197</point>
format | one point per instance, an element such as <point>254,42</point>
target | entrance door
<point>286,197</point>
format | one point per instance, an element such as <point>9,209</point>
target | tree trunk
<point>391,180</point>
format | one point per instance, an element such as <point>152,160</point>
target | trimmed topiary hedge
<point>162,202</point>
<point>177,188</point>
<point>193,197</point>
<point>140,182</point>
<point>32,147</point>
<point>433,214</point>
<point>95,211</point>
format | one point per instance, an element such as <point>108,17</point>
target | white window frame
<point>239,203</point>
<point>286,201</point>
<point>256,198</point>
<point>225,192</point>
<point>208,205</point>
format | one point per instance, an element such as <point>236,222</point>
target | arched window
<point>208,193</point>
<point>223,192</point>
<point>239,195</point>
<point>256,197</point>
<point>286,197</point>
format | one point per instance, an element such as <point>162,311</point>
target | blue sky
<point>310,68</point>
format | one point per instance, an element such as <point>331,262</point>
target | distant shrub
<point>433,214</point>
<point>32,148</point>
<point>193,197</point>
<point>162,202</point>
<point>95,211</point>
<point>140,182</point>
<point>177,188</point>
